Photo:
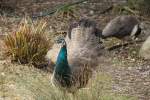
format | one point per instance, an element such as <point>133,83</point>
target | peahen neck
<point>62,69</point>
<point>62,66</point>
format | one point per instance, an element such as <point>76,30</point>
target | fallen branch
<point>124,45</point>
<point>107,9</point>
<point>130,10</point>
<point>58,9</point>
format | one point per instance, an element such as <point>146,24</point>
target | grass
<point>135,7</point>
<point>27,83</point>
<point>28,44</point>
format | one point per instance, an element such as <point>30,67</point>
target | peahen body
<point>122,27</point>
<point>67,77</point>
<point>77,57</point>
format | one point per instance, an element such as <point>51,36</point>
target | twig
<point>58,8</point>
<point>123,45</point>
<point>118,46</point>
<point>130,10</point>
<point>107,9</point>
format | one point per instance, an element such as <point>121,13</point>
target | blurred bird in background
<point>124,27</point>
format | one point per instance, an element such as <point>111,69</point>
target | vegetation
<point>23,82</point>
<point>29,44</point>
<point>140,5</point>
<point>135,7</point>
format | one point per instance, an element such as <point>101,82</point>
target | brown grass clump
<point>29,44</point>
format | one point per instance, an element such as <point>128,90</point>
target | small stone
<point>3,74</point>
<point>129,68</point>
<point>91,12</point>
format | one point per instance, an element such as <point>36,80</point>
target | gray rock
<point>145,49</point>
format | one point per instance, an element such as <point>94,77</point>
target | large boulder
<point>145,49</point>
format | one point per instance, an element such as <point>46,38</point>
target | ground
<point>121,75</point>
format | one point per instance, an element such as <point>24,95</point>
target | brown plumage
<point>121,27</point>
<point>83,50</point>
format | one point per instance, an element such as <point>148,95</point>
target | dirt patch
<point>131,74</point>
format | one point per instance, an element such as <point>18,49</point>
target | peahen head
<point>62,56</point>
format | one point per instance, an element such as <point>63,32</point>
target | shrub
<point>141,5</point>
<point>136,7</point>
<point>29,44</point>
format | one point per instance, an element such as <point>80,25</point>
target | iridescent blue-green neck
<point>62,61</point>
<point>62,69</point>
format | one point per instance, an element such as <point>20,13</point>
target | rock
<point>120,27</point>
<point>145,49</point>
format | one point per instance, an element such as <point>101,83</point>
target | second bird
<point>122,27</point>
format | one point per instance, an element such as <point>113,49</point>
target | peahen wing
<point>81,72</point>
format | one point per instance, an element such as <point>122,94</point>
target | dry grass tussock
<point>29,44</point>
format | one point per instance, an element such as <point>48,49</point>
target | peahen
<point>124,27</point>
<point>77,57</point>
